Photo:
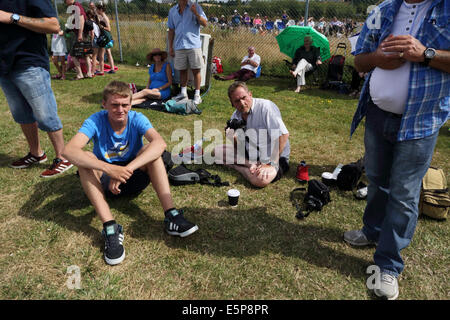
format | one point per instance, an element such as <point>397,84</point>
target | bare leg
<point>57,139</point>
<point>90,181</point>
<point>76,62</point>
<point>183,78</point>
<point>32,136</point>
<point>110,58</point>
<point>197,78</point>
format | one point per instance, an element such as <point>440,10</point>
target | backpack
<point>104,39</point>
<point>183,107</point>
<point>181,175</point>
<point>316,197</point>
<point>217,65</point>
<point>350,175</point>
<point>434,198</point>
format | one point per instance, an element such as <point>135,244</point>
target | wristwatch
<point>15,18</point>
<point>428,54</point>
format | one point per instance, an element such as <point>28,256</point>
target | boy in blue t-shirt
<point>121,164</point>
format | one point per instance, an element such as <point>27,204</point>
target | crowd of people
<point>264,24</point>
<point>81,44</point>
<point>397,152</point>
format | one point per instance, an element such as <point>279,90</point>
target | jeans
<point>395,170</point>
<point>31,99</point>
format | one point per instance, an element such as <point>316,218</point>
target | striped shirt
<point>427,105</point>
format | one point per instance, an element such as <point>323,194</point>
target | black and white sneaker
<point>176,225</point>
<point>114,251</point>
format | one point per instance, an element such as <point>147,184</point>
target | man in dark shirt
<point>25,78</point>
<point>306,58</point>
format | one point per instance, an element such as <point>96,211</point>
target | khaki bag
<point>434,198</point>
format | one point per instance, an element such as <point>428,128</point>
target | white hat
<point>235,11</point>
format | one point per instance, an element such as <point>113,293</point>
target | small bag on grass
<point>434,198</point>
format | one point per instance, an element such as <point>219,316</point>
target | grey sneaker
<point>357,238</point>
<point>388,287</point>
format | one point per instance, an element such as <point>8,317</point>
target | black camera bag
<point>316,197</point>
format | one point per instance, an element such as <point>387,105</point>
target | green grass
<point>258,250</point>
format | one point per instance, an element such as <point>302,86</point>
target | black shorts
<point>134,186</point>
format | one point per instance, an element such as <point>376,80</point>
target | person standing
<point>405,99</point>
<point>104,23</point>
<point>25,78</point>
<point>184,24</point>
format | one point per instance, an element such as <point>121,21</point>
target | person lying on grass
<point>121,164</point>
<point>260,150</point>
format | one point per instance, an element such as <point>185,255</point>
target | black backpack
<point>181,175</point>
<point>350,175</point>
<point>316,197</point>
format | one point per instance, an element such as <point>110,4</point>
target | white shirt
<point>389,88</point>
<point>254,58</point>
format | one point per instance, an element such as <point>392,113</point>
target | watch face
<point>430,53</point>
<point>15,17</point>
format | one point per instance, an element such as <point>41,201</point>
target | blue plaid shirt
<point>427,105</point>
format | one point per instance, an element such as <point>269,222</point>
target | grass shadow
<point>64,204</point>
<point>6,160</point>
<point>251,231</point>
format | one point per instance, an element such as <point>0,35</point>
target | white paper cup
<point>233,197</point>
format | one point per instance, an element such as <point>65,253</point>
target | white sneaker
<point>180,97</point>
<point>388,287</point>
<point>197,99</point>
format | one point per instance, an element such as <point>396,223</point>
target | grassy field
<point>258,250</point>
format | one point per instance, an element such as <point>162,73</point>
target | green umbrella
<point>291,38</point>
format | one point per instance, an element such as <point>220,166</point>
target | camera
<point>312,203</point>
<point>236,124</point>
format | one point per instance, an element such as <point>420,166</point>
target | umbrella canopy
<point>291,38</point>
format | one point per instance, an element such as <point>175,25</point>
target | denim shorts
<point>30,98</point>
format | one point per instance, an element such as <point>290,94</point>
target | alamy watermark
<point>374,281</point>
<point>74,277</point>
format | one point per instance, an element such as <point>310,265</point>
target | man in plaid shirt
<point>404,45</point>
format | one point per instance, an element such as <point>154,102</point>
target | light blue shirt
<point>186,26</point>
<point>110,146</point>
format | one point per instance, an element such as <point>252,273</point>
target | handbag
<point>104,39</point>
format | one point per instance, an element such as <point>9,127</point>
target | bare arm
<point>202,21</point>
<point>74,152</point>
<point>169,78</point>
<point>413,50</point>
<point>80,31</point>
<point>39,25</point>
<point>171,37</point>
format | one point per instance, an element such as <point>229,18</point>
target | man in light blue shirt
<point>184,24</point>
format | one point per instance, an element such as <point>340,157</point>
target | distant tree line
<point>356,9</point>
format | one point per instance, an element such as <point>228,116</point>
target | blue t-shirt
<point>158,79</point>
<point>21,48</point>
<point>111,147</point>
<point>186,26</point>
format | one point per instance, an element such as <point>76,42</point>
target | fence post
<point>306,12</point>
<point>118,31</point>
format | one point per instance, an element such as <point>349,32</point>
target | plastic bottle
<point>194,150</point>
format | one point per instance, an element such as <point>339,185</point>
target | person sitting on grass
<point>121,164</point>
<point>160,78</point>
<point>260,150</point>
<point>249,66</point>
<point>306,58</point>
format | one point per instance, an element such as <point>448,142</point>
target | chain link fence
<point>140,25</point>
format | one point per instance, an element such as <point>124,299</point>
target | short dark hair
<point>116,87</point>
<point>237,84</point>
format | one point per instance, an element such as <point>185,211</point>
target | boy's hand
<point>122,174</point>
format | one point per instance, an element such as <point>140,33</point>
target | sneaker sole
<point>57,174</point>
<point>113,262</point>
<point>183,234</point>
<point>386,297</point>
<point>29,165</point>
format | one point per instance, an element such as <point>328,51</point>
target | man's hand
<point>194,9</point>
<point>5,17</point>
<point>408,47</point>
<point>114,186</point>
<point>263,171</point>
<point>172,52</point>
<point>388,59</point>
<point>122,174</point>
